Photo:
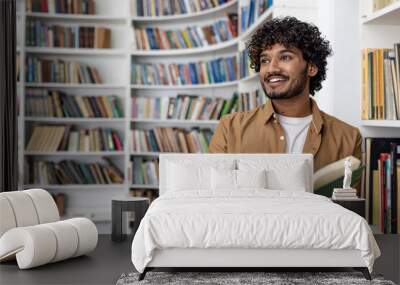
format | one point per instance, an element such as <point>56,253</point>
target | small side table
<point>138,205</point>
<point>356,205</point>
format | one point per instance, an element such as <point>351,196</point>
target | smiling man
<point>290,57</point>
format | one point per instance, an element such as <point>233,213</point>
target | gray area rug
<point>229,278</point>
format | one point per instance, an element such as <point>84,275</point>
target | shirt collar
<point>317,122</point>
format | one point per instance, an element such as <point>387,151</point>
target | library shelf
<point>250,77</point>
<point>75,153</point>
<point>78,17</point>
<point>267,14</point>
<point>74,85</point>
<point>74,120</point>
<point>184,16</point>
<point>193,86</point>
<point>75,51</point>
<point>390,15</point>
<point>186,51</point>
<point>176,121</point>
<point>381,123</point>
<point>74,186</point>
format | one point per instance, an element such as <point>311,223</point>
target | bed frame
<point>242,259</point>
<point>246,258</point>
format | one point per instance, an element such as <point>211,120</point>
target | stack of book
<point>53,103</point>
<point>150,38</point>
<point>383,183</point>
<point>380,84</point>
<point>43,34</point>
<point>61,6</point>
<point>144,171</point>
<point>60,71</point>
<point>251,10</point>
<point>214,71</point>
<point>183,107</point>
<point>62,138</point>
<point>72,172</point>
<point>170,140</point>
<point>344,194</point>
<point>172,7</point>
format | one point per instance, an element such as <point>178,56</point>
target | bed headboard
<point>285,161</point>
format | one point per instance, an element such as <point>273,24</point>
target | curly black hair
<point>291,32</point>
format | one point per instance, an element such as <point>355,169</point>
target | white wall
<point>339,21</point>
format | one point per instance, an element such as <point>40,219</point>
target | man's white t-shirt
<point>295,132</point>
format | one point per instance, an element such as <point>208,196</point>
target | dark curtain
<point>8,98</point>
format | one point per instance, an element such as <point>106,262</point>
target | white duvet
<point>250,219</point>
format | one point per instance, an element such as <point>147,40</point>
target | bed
<point>247,210</point>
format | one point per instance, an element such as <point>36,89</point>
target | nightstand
<point>138,205</point>
<point>356,205</point>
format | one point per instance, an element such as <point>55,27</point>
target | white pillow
<point>251,178</point>
<point>286,174</point>
<point>186,175</point>
<point>226,179</point>
<point>183,178</point>
<point>223,179</point>
<point>294,180</point>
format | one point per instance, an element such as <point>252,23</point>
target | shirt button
<point>282,138</point>
<point>274,115</point>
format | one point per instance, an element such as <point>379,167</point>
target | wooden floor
<point>111,259</point>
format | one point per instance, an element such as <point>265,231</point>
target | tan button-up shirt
<point>259,131</point>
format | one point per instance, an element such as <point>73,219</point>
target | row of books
<point>244,63</point>
<point>380,4</point>
<point>170,140</point>
<point>381,84</point>
<point>251,10</point>
<point>43,34</point>
<point>250,100</point>
<point>383,183</point>
<point>172,7</point>
<point>183,107</point>
<point>214,71</point>
<point>147,193</point>
<point>61,6</point>
<point>60,71</point>
<point>66,138</point>
<point>144,172</point>
<point>72,172</point>
<point>53,103</point>
<point>149,38</point>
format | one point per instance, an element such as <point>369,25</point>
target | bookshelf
<point>114,66</point>
<point>379,30</point>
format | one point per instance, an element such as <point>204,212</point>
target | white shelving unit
<point>93,201</point>
<point>380,29</point>
<point>114,67</point>
<point>75,51</point>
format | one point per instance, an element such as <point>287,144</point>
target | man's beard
<point>295,90</point>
